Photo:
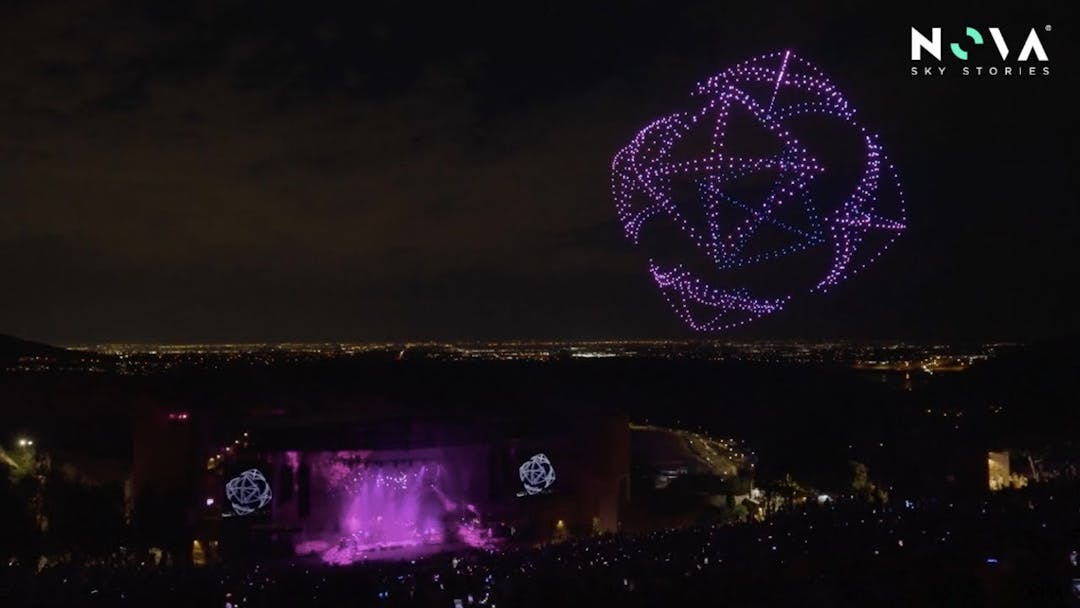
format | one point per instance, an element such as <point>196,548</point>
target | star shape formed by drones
<point>645,172</point>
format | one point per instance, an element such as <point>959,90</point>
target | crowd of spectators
<point>1014,548</point>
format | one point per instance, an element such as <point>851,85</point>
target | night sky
<point>249,170</point>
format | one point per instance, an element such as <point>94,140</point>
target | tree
<point>791,491</point>
<point>1034,460</point>
<point>82,515</point>
<point>863,487</point>
<point>860,480</point>
<point>21,498</point>
<point>21,461</point>
<point>19,533</point>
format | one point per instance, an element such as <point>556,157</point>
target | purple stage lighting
<point>373,508</point>
<point>386,506</point>
<point>755,178</point>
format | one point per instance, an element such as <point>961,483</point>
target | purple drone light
<point>764,217</point>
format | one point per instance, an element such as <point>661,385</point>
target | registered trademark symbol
<point>1048,28</point>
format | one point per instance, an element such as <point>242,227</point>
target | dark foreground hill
<point>12,349</point>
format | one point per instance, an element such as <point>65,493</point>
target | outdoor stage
<point>419,487</point>
<point>354,505</point>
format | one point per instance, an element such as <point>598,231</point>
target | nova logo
<point>932,45</point>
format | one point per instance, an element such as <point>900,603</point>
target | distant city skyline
<point>878,356</point>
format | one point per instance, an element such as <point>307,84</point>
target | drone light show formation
<point>768,186</point>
